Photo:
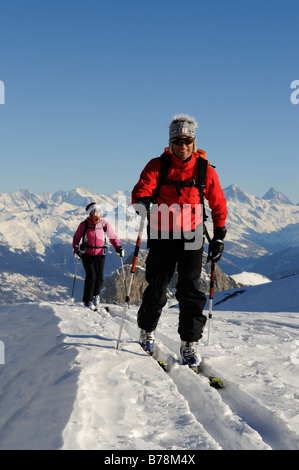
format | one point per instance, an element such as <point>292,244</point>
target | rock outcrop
<point>114,286</point>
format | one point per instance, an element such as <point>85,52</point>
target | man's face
<point>182,147</point>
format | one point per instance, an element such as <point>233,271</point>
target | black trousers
<point>161,262</point>
<point>94,270</point>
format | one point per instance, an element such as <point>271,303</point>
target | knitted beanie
<point>182,125</point>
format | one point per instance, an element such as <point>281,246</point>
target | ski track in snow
<point>69,388</point>
<point>226,419</point>
<point>129,411</point>
<point>232,417</point>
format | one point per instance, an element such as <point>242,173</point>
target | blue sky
<point>91,87</point>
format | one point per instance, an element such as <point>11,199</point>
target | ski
<point>97,308</point>
<point>168,361</point>
<point>215,382</point>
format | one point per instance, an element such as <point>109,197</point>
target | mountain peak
<point>276,197</point>
<point>234,193</point>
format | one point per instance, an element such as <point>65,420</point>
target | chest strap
<point>181,184</point>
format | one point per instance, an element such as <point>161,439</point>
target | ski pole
<point>72,296</point>
<point>133,268</point>
<point>211,298</point>
<point>211,285</point>
<point>123,273</point>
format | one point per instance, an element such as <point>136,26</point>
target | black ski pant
<point>163,257</point>
<point>94,270</point>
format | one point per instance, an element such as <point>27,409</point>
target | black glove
<point>143,204</point>
<point>120,251</point>
<point>77,253</point>
<point>216,246</point>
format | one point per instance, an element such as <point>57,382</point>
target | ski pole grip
<point>135,255</point>
<point>134,264</point>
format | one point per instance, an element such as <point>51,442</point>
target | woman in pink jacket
<point>93,232</point>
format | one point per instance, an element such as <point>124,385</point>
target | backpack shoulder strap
<point>85,229</point>
<point>201,183</point>
<point>165,164</point>
<point>202,172</point>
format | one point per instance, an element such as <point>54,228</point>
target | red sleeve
<point>215,196</point>
<point>148,180</point>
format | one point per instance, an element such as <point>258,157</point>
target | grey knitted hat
<point>182,125</point>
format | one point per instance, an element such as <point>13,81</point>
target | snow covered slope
<point>250,279</point>
<point>65,386</point>
<point>277,296</point>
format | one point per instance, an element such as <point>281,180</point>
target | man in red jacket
<point>175,228</point>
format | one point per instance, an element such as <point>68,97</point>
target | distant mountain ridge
<point>276,196</point>
<point>38,228</point>
<point>234,193</point>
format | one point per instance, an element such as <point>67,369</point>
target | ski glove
<point>77,254</point>
<point>120,251</point>
<point>142,204</point>
<point>216,246</point>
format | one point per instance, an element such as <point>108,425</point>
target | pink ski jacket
<point>94,237</point>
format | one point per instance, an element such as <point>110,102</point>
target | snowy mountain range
<point>36,234</point>
<point>263,234</point>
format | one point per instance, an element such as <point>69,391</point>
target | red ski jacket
<point>184,205</point>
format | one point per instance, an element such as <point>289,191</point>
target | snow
<point>65,386</point>
<point>276,296</point>
<point>250,279</point>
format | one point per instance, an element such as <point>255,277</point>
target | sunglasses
<point>185,140</point>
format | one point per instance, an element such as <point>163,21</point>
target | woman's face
<point>94,215</point>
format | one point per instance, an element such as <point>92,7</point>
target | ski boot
<point>189,356</point>
<point>147,341</point>
<point>96,301</point>
<point>88,305</point>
